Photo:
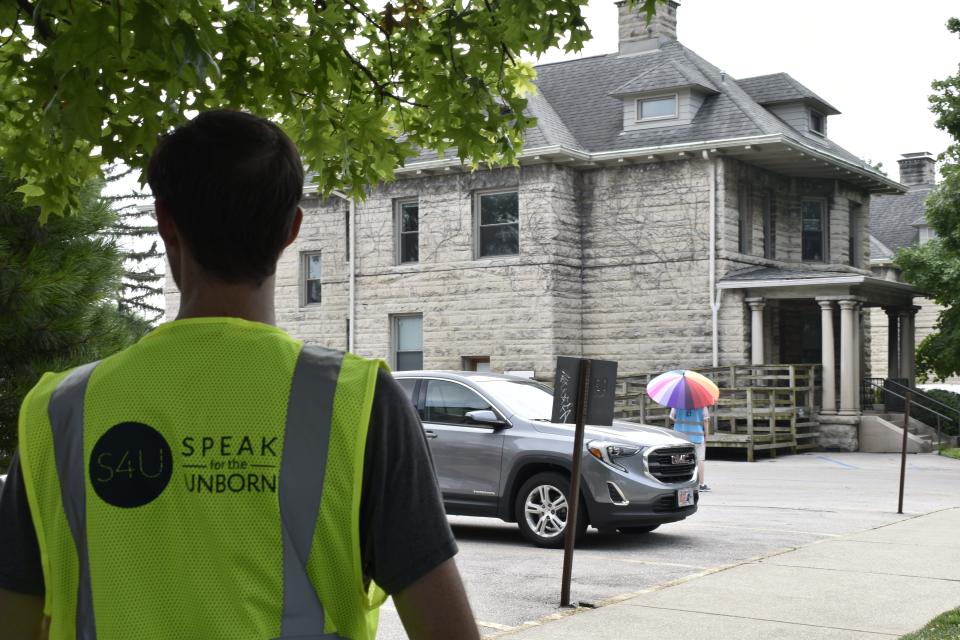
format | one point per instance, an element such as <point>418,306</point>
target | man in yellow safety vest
<point>220,479</point>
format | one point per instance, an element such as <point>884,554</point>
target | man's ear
<point>166,227</point>
<point>294,228</point>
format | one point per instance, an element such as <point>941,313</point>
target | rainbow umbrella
<point>682,389</point>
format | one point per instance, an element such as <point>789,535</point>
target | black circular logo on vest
<point>130,465</point>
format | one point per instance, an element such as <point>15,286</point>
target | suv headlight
<point>609,452</point>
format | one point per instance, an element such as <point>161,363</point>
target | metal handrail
<point>922,396</point>
<point>918,392</point>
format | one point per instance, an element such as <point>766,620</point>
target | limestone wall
<point>645,245</point>
<point>613,264</point>
<point>521,311</point>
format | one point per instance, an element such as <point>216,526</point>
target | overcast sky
<point>871,59</point>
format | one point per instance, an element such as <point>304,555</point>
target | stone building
<point>899,221</point>
<point>664,214</point>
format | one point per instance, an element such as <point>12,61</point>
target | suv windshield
<point>530,400</point>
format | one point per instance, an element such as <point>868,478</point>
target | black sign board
<point>583,393</point>
<point>600,394</point>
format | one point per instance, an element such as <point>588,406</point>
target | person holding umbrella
<point>688,394</point>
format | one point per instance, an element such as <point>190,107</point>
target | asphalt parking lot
<point>755,509</point>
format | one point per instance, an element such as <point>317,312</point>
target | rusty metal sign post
<point>903,448</point>
<point>585,389</point>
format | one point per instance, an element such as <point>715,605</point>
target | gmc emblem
<point>681,458</point>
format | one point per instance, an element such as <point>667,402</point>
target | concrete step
<point>878,435</point>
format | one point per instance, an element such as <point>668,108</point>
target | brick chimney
<point>918,170</point>
<point>636,35</point>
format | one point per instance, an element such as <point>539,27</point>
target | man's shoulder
<point>40,393</point>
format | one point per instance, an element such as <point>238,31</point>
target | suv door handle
<point>430,434</point>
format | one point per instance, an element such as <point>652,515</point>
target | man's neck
<point>206,298</point>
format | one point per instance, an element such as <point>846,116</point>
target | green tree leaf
<point>935,266</point>
<point>86,84</point>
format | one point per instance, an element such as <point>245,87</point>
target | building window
<point>745,206</point>
<point>659,108</point>
<point>408,342</point>
<point>818,122</point>
<point>310,269</point>
<point>769,227</point>
<point>408,231</point>
<point>813,214</point>
<point>476,363</point>
<point>854,248</point>
<point>498,224</point>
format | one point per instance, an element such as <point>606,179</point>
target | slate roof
<point>576,107</point>
<point>781,87</point>
<point>549,131</point>
<point>878,250</point>
<point>893,218</point>
<point>667,75</point>
<point>580,93</point>
<point>550,127</point>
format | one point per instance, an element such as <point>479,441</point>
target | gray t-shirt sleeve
<point>403,527</point>
<point>20,568</point>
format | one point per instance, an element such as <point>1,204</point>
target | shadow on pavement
<point>594,540</point>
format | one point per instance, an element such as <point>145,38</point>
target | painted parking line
<point>837,462</point>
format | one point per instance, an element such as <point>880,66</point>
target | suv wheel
<point>542,509</point>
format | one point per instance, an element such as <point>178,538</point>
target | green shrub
<point>948,398</point>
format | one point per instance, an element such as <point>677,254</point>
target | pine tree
<point>141,288</point>
<point>59,288</point>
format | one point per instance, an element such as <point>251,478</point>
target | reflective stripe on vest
<point>66,421</point>
<point>304,460</point>
<point>302,467</point>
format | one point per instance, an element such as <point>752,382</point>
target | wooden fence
<point>761,407</point>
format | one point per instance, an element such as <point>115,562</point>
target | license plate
<point>685,497</point>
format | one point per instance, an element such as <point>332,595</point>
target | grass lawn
<point>951,453</point>
<point>946,626</point>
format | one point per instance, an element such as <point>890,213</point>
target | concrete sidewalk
<point>878,583</point>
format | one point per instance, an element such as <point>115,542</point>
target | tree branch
<point>33,12</point>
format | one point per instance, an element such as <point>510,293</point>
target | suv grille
<point>663,468</point>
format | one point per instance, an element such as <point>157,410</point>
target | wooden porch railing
<point>761,407</point>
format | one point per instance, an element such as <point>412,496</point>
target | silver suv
<point>497,454</point>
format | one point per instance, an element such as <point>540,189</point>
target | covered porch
<point>817,316</point>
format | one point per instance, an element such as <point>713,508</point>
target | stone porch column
<point>858,354</point>
<point>827,342</point>
<point>848,354</point>
<point>756,330</point>
<point>908,356</point>
<point>893,342</point>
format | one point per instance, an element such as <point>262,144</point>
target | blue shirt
<point>690,422</point>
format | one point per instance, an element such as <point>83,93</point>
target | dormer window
<point>818,122</point>
<point>658,108</point>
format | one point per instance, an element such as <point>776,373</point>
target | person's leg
<point>701,457</point>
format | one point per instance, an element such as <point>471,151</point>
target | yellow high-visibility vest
<point>203,483</point>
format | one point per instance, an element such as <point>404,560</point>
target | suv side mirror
<point>487,417</point>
